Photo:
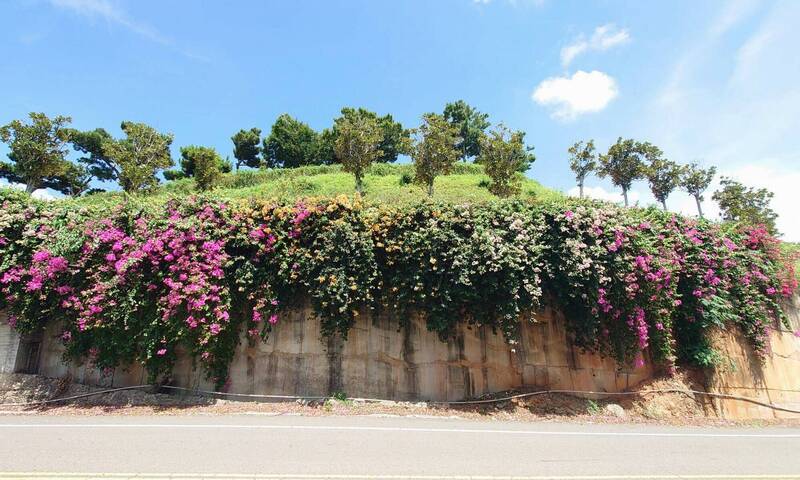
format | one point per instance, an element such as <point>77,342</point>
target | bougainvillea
<point>145,283</point>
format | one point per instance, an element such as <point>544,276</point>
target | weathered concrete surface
<point>381,360</point>
<point>9,345</point>
<point>774,380</point>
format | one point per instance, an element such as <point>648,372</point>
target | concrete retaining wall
<point>9,345</point>
<point>381,360</point>
<point>774,380</point>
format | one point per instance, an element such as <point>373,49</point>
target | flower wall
<point>142,282</point>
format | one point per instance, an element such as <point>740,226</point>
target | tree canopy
<point>663,175</point>
<point>435,151</point>
<point>90,144</point>
<point>357,144</point>
<point>695,180</point>
<point>247,147</point>
<point>750,206</point>
<point>582,161</point>
<point>470,124</point>
<point>504,156</point>
<point>395,139</point>
<point>622,164</point>
<point>38,150</point>
<point>291,143</point>
<point>140,156</point>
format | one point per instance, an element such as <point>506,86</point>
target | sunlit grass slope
<point>384,183</point>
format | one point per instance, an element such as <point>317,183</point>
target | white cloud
<point>604,38</point>
<point>113,14</point>
<point>583,92</point>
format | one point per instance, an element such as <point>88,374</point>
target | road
<point>365,447</point>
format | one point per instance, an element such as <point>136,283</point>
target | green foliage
<point>434,152</point>
<point>582,161</point>
<point>504,155</point>
<point>139,157</point>
<point>695,181</point>
<point>357,143</point>
<point>406,179</point>
<point>204,164</point>
<point>247,147</point>
<point>745,205</point>
<point>90,143</point>
<point>395,140</point>
<point>38,150</point>
<point>142,280</point>
<point>73,182</point>
<point>470,124</point>
<point>663,175</point>
<point>623,164</point>
<point>291,143</point>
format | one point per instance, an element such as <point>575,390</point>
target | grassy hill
<point>387,183</point>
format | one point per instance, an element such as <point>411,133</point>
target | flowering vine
<point>146,283</point>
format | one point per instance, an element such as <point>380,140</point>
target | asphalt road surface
<point>260,446</point>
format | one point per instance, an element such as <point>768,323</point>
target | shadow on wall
<point>380,360</point>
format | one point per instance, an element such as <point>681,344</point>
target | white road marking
<point>394,429</point>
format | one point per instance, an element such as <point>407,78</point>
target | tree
<point>435,151</point>
<point>291,143</point>
<point>38,150</point>
<point>695,181</point>
<point>75,181</point>
<point>247,147</point>
<point>745,205</point>
<point>663,175</point>
<point>139,156</point>
<point>90,143</point>
<point>582,161</point>
<point>395,139</point>
<point>503,156</point>
<point>325,148</point>
<point>191,154</point>
<point>623,164</point>
<point>204,164</point>
<point>471,125</point>
<point>357,144</point>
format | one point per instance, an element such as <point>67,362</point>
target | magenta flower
<point>41,256</point>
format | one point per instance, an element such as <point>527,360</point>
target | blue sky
<point>714,82</point>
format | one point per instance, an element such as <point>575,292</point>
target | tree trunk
<point>664,205</point>
<point>30,187</point>
<point>359,186</point>
<point>699,208</point>
<point>625,195</point>
<point>430,189</point>
<point>580,188</point>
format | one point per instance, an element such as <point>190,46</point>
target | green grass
<point>382,184</point>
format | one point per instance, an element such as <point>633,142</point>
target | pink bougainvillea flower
<point>41,256</point>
